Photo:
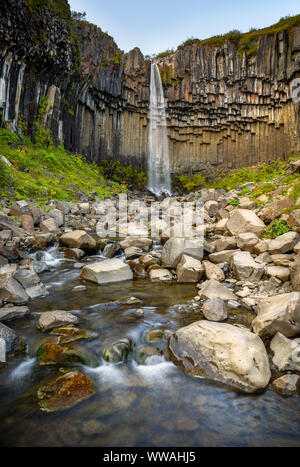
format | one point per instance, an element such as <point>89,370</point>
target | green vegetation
<point>234,202</point>
<point>58,7</point>
<point>133,179</point>
<point>276,228</point>
<point>295,193</point>
<point>42,171</point>
<point>167,53</point>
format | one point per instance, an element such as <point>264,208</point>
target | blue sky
<point>156,25</point>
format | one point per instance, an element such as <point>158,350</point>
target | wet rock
<point>49,226</point>
<point>54,319</point>
<point>111,249</point>
<point>133,252</point>
<point>286,353</point>
<point>65,392</point>
<point>129,301</point>
<point>189,270</point>
<point>213,271</point>
<point>50,353</point>
<point>222,352</point>
<point>247,241</point>
<point>117,352</point>
<point>246,268</point>
<point>11,290</point>
<point>74,253</point>
<point>155,335</point>
<point>142,243</point>
<point>108,271</point>
<point>284,243</point>
<point>78,239</point>
<point>31,282</point>
<point>222,256</point>
<point>70,333</point>
<point>174,248</point>
<point>287,385</point>
<point>186,425</point>
<point>10,337</point>
<point>280,313</point>
<point>278,271</point>
<point>213,289</point>
<point>43,240</point>
<point>243,220</point>
<point>148,260</point>
<point>160,275</point>
<point>143,353</point>
<point>10,313</point>
<point>215,310</point>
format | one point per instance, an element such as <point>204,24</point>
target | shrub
<point>276,228</point>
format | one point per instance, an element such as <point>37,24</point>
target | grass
<point>275,229</point>
<point>43,172</point>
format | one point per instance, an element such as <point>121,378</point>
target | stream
<point>150,403</point>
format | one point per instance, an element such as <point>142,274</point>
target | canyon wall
<point>225,109</point>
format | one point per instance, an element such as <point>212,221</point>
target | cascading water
<point>159,181</point>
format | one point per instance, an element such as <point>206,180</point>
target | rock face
<point>216,95</point>
<point>222,352</point>
<point>108,271</point>
<point>280,313</point>
<point>245,221</point>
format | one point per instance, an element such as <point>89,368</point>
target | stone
<point>247,203</point>
<point>280,313</point>
<point>54,319</point>
<point>243,220</point>
<point>78,239</point>
<point>6,223</point>
<point>42,240</point>
<point>37,214</point>
<point>295,274</point>
<point>245,267</point>
<point>117,352</point>
<point>247,241</point>
<point>280,272</point>
<point>2,352</point>
<point>11,290</point>
<point>222,352</point>
<point>174,248</point>
<point>211,208</point>
<point>63,206</point>
<point>27,223</point>
<point>108,271</point>
<point>133,252</point>
<point>261,247</point>
<point>69,333</point>
<point>31,283</point>
<point>273,211</point>
<point>221,226</point>
<point>143,243</point>
<point>284,243</point>
<point>215,310</point>
<point>286,353</point>
<point>65,392</point>
<point>19,207</point>
<point>213,289</point>
<point>148,260</point>
<point>213,271</point>
<point>49,226</point>
<point>58,216</point>
<point>51,353</point>
<point>189,270</point>
<point>5,236</point>
<point>222,256</point>
<point>155,335</point>
<point>160,275</point>
<point>10,337</point>
<point>287,385</point>
<point>226,243</point>
<point>283,260</point>
<point>9,313</point>
<point>294,220</point>
<point>111,249</point>
<point>74,253</point>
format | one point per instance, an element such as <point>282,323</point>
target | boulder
<point>226,243</point>
<point>222,256</point>
<point>213,271</point>
<point>19,207</point>
<point>10,337</point>
<point>108,271</point>
<point>273,211</point>
<point>280,272</point>
<point>27,223</point>
<point>243,220</point>
<point>31,282</point>
<point>294,220</point>
<point>58,216</point>
<point>280,313</point>
<point>247,241</point>
<point>78,239</point>
<point>261,247</point>
<point>11,290</point>
<point>284,243</point>
<point>286,353</point>
<point>246,268</point>
<point>133,252</point>
<point>9,313</point>
<point>211,208</point>
<point>287,385</point>
<point>189,270</point>
<point>111,249</point>
<point>143,243</point>
<point>215,310</point>
<point>174,248</point>
<point>6,223</point>
<point>54,319</point>
<point>160,275</point>
<point>295,274</point>
<point>213,289</point>
<point>37,214</point>
<point>117,352</point>
<point>74,253</point>
<point>283,260</point>
<point>49,226</point>
<point>222,352</point>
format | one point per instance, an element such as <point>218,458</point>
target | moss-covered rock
<point>51,353</point>
<point>70,333</point>
<point>117,352</point>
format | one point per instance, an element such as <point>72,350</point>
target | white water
<point>23,369</point>
<point>158,159</point>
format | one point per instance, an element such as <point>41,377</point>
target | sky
<point>157,25</point>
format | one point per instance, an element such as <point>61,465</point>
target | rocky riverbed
<point>105,333</point>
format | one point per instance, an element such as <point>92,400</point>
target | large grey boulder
<point>286,353</point>
<point>108,271</point>
<point>213,289</point>
<point>222,352</point>
<point>284,243</point>
<point>58,216</point>
<point>78,239</point>
<point>11,290</point>
<point>31,282</point>
<point>10,337</point>
<point>189,270</point>
<point>174,248</point>
<point>244,220</point>
<point>280,313</point>
<point>246,268</point>
<point>55,319</point>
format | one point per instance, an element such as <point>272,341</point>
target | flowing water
<point>158,160</point>
<point>137,404</point>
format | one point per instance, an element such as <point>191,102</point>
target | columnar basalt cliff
<point>225,108</point>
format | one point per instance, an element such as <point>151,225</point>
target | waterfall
<point>158,159</point>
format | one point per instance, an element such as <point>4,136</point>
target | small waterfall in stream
<point>158,159</point>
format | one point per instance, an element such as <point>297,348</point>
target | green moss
<point>58,7</point>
